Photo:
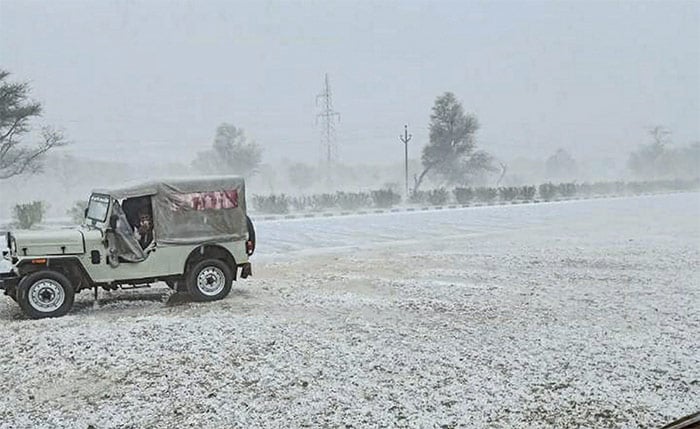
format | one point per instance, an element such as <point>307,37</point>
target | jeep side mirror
<point>113,221</point>
<point>85,213</point>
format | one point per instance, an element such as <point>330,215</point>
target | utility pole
<point>405,139</point>
<point>328,117</point>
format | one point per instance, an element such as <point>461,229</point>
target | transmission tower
<point>328,117</point>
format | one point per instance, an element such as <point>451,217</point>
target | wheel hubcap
<point>211,281</point>
<point>46,295</point>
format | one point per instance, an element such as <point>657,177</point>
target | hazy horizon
<point>152,76</point>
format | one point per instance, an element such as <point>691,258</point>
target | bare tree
<point>16,112</point>
<point>504,167</point>
<point>660,135</point>
<point>650,159</point>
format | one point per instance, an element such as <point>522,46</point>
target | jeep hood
<point>47,243</point>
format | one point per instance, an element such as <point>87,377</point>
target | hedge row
<point>29,214</point>
<point>281,204</point>
<point>349,201</point>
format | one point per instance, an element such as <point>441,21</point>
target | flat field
<point>567,315</point>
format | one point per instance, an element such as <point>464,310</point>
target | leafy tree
<point>16,112</point>
<point>232,153</point>
<point>476,168</point>
<point>450,154</point>
<point>29,214</point>
<point>77,211</point>
<point>561,165</point>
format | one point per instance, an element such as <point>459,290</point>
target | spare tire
<point>250,248</point>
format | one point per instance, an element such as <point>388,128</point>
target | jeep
<point>192,234</point>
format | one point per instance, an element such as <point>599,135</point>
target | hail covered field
<point>576,314</point>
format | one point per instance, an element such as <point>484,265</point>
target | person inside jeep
<point>145,229</point>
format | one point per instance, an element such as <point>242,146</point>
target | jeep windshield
<point>98,207</point>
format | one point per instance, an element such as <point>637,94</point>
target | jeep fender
<point>211,251</point>
<point>68,266</point>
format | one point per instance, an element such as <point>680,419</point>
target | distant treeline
<point>386,198</point>
<point>28,215</point>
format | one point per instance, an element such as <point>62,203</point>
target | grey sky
<point>587,76</point>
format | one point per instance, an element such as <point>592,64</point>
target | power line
<point>328,117</point>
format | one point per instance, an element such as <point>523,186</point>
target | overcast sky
<point>156,76</point>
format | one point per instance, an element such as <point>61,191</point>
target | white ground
<point>578,314</point>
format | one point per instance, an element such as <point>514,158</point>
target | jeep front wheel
<point>45,294</point>
<point>209,280</point>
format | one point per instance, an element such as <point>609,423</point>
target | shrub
<point>585,189</point>
<point>607,188</point>
<point>509,193</point>
<point>640,187</point>
<point>528,192</point>
<point>77,212</point>
<point>385,198</point>
<point>686,185</point>
<point>353,200</point>
<point>418,197</point>
<point>438,197</point>
<point>601,188</point>
<point>300,203</point>
<point>463,195</point>
<point>566,189</point>
<point>278,204</point>
<point>486,194</point>
<point>547,191</point>
<point>619,187</point>
<point>29,214</point>
<point>323,202</point>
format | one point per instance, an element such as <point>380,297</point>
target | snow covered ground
<point>576,314</point>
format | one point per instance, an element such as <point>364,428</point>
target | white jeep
<point>198,239</point>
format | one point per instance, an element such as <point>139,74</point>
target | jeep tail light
<point>249,247</point>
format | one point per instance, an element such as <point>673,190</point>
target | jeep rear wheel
<point>45,294</point>
<point>209,280</point>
